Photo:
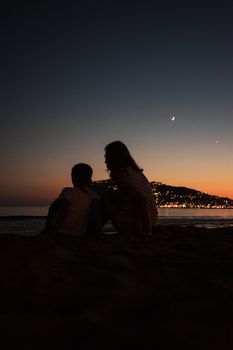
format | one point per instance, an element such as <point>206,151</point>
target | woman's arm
<point>141,203</point>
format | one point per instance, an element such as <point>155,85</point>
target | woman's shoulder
<point>120,172</point>
<point>121,176</point>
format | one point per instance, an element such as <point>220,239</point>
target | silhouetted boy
<point>76,211</point>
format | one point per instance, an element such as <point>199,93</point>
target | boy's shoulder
<point>66,191</point>
<point>69,191</point>
<point>92,193</point>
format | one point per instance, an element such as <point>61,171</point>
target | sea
<point>29,221</point>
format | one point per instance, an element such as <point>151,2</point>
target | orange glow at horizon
<point>44,193</point>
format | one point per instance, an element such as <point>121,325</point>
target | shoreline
<point>31,226</point>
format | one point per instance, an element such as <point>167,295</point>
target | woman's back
<point>141,184</point>
<point>134,201</point>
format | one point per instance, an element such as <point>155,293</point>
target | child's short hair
<point>81,172</point>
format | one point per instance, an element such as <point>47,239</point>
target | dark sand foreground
<point>170,291</point>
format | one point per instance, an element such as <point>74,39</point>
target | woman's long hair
<point>118,156</point>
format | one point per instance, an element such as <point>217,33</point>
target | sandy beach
<point>173,290</point>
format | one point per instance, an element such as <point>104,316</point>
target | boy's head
<point>81,174</point>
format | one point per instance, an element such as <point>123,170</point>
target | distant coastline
<point>167,196</point>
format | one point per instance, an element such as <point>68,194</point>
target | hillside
<point>174,196</point>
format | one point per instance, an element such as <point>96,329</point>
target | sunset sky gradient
<point>77,77</point>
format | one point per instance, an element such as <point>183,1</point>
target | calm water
<point>30,220</point>
<point>23,211</point>
<point>210,218</point>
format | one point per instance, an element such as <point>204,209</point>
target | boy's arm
<point>94,219</point>
<point>63,210</point>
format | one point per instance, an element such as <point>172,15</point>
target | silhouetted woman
<point>131,208</point>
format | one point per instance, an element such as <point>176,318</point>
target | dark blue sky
<point>75,77</point>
